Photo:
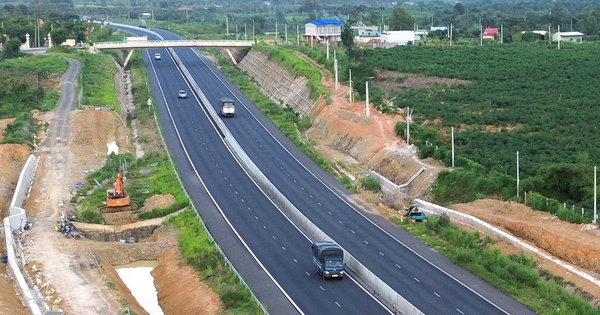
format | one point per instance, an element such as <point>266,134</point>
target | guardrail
<point>380,289</point>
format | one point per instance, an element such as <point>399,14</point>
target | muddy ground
<point>79,272</point>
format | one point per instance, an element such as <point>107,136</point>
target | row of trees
<point>531,98</point>
<point>258,17</point>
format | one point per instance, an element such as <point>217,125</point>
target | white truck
<point>227,107</point>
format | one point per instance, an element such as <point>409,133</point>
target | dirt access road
<point>77,274</point>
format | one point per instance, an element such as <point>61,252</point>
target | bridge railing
<point>174,43</point>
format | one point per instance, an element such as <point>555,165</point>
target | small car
<point>157,56</point>
<point>182,94</point>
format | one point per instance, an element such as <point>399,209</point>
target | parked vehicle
<point>227,106</point>
<point>414,214</point>
<point>328,258</point>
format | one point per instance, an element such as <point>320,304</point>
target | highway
<point>422,276</point>
<point>211,175</point>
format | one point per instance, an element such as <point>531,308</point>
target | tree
<point>310,6</point>
<point>347,36</point>
<point>400,20</point>
<point>59,36</point>
<point>460,8</point>
<point>374,18</point>
<point>530,37</point>
<point>590,22</point>
<point>12,48</point>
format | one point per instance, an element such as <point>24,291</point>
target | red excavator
<point>117,199</point>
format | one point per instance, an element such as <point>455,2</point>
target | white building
<point>568,37</point>
<point>323,30</point>
<point>393,38</point>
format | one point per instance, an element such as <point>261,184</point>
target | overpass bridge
<point>140,42</point>
<point>143,42</point>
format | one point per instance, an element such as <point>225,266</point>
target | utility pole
<point>480,33</point>
<point>408,119</point>
<point>335,69</point>
<point>350,93</point>
<point>450,34</point>
<point>517,174</point>
<point>367,93</point>
<point>297,35</point>
<point>558,36</point>
<point>501,34</point>
<point>452,146</point>
<point>595,188</point>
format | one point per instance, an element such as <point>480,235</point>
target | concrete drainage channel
<point>375,285</point>
<point>14,223</point>
<point>488,229</point>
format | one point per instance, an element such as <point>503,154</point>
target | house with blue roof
<point>323,31</point>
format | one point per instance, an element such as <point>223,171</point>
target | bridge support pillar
<point>128,57</point>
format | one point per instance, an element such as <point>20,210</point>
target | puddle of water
<point>140,282</point>
<point>112,147</point>
<point>111,142</point>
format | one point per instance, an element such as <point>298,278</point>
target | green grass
<point>200,253</point>
<point>371,183</point>
<point>22,81</point>
<point>196,247</point>
<point>98,81</point>
<point>158,180</point>
<point>516,275</point>
<point>297,66</point>
<point>111,285</point>
<point>23,130</point>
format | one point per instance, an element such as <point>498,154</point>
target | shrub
<point>426,152</point>
<point>371,183</point>
<point>304,123</point>
<point>347,182</point>
<point>90,216</point>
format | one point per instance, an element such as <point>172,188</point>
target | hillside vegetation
<point>534,99</point>
<point>531,98</point>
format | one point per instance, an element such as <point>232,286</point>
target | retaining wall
<point>13,224</point>
<point>278,83</point>
<point>488,229</point>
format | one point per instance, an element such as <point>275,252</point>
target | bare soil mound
<point>174,275</point>
<point>576,244</point>
<point>344,133</point>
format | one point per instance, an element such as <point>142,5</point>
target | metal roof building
<point>323,30</point>
<point>568,37</point>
